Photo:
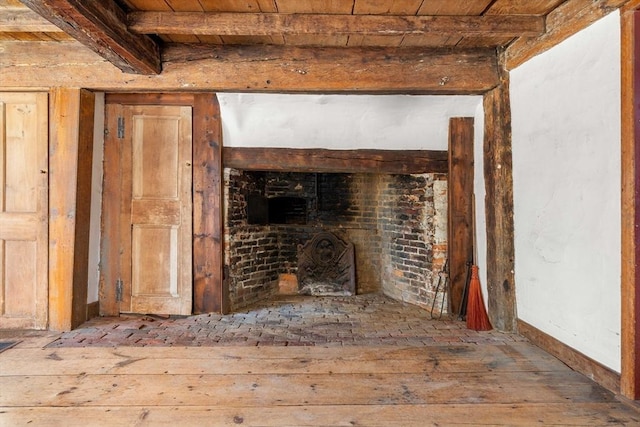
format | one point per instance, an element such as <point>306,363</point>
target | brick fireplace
<point>396,223</point>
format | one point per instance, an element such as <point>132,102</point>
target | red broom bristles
<point>477,318</point>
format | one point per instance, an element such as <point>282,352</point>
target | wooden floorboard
<point>506,384</point>
<point>583,414</point>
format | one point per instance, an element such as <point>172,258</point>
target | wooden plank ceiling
<point>134,34</point>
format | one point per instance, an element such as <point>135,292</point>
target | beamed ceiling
<point>146,37</point>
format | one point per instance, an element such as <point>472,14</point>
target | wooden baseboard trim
<point>571,357</point>
<point>93,310</point>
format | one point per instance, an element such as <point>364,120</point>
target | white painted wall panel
<point>480,194</point>
<point>341,122</point>
<point>566,154</point>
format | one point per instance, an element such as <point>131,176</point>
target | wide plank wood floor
<point>465,384</point>
<point>360,361</point>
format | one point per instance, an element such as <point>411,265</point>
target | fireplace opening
<point>276,210</point>
<point>394,223</point>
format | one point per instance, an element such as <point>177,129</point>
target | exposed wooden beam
<point>70,151</point>
<point>460,216</point>
<point>265,24</point>
<point>25,20</point>
<point>564,21</point>
<point>498,176</point>
<point>630,238</point>
<point>210,292</point>
<point>259,68</point>
<point>102,26</point>
<point>335,161</point>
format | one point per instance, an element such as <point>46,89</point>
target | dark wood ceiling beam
<point>567,19</point>
<point>25,20</point>
<point>102,26</point>
<point>266,24</point>
<point>259,69</point>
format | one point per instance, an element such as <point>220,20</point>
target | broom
<point>477,318</point>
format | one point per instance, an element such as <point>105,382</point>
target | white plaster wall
<point>341,122</point>
<point>96,201</point>
<point>479,196</point>
<point>566,155</point>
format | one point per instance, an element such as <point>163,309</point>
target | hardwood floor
<point>303,361</point>
<point>461,384</point>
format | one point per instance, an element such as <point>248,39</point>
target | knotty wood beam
<point>561,23</point>
<point>209,291</point>
<point>259,68</point>
<point>335,161</point>
<point>25,20</point>
<point>101,26</point>
<point>630,238</point>
<point>259,24</point>
<point>460,195</point>
<point>498,175</point>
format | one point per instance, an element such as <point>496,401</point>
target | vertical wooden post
<point>498,175</point>
<point>70,161</point>
<point>460,194</point>
<point>209,292</point>
<point>630,340</point>
<point>110,218</point>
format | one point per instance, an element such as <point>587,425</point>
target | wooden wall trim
<point>567,19</point>
<point>571,357</point>
<point>83,207</point>
<point>110,218</point>
<point>93,310</point>
<point>244,68</point>
<point>498,175</point>
<point>335,161</point>
<point>460,200</point>
<point>210,293</point>
<point>630,303</point>
<point>70,154</point>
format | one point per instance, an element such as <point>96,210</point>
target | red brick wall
<point>388,218</point>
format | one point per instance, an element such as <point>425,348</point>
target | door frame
<point>209,290</point>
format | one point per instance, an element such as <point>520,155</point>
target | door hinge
<point>119,290</point>
<point>120,127</point>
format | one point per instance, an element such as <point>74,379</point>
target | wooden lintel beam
<point>102,26</point>
<point>259,69</point>
<point>26,21</point>
<point>265,24</point>
<point>335,161</point>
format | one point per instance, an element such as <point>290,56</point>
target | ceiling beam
<point>564,21</point>
<point>101,26</point>
<point>25,21</point>
<point>265,24</point>
<point>281,69</point>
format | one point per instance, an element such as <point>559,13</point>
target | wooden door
<point>23,210</point>
<point>156,208</point>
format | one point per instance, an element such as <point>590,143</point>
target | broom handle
<point>474,248</point>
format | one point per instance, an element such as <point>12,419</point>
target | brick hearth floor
<point>370,319</point>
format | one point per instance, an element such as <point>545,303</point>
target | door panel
<point>156,265</point>
<point>23,210</point>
